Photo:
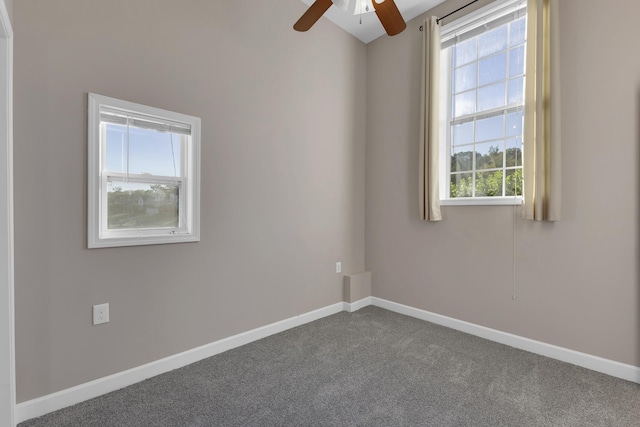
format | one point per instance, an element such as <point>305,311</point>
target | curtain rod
<point>449,14</point>
<point>455,11</point>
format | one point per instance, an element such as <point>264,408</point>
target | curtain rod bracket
<point>449,14</point>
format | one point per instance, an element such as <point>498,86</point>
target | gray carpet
<point>369,368</point>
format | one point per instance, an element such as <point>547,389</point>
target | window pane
<point>492,41</point>
<point>518,31</point>
<point>489,184</point>
<point>465,103</point>
<point>514,152</point>
<point>514,124</point>
<point>116,148</point>
<point>151,152</point>
<point>490,128</point>
<point>491,97</point>
<point>516,61</point>
<point>463,133</point>
<point>461,185</point>
<point>516,91</point>
<point>465,52</point>
<point>489,155</point>
<point>462,158</point>
<point>464,78</point>
<point>513,183</point>
<point>492,69</point>
<point>138,205</point>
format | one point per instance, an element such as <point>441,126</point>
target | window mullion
<point>185,169</point>
<point>474,170</point>
<point>139,178</point>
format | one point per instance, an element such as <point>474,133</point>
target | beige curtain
<point>541,159</point>
<point>429,194</point>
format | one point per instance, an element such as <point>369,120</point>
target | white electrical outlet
<point>100,313</point>
<point>338,267</point>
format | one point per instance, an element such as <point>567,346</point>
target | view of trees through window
<point>488,184</point>
<point>143,206</point>
<point>486,97</point>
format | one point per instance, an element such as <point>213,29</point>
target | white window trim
<point>7,293</point>
<point>189,227</point>
<point>482,201</point>
<point>467,23</point>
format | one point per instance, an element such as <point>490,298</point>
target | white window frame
<point>473,20</point>
<point>188,229</point>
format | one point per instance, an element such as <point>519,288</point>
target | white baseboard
<point>599,364</point>
<point>52,402</point>
<point>355,306</point>
<point>71,396</point>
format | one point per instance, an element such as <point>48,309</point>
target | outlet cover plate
<point>100,313</point>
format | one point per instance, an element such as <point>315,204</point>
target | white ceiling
<point>371,29</point>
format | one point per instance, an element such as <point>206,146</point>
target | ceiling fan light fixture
<point>342,4</point>
<point>363,6</point>
<point>387,12</point>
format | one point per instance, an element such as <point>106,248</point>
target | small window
<point>482,106</point>
<point>144,174</point>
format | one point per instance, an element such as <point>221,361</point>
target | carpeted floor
<point>369,368</point>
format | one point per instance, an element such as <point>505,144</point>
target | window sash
<point>105,232</point>
<point>186,142</point>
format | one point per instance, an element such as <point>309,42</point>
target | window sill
<point>141,240</point>
<point>482,201</point>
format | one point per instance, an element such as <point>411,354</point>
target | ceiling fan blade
<point>389,16</point>
<point>315,12</point>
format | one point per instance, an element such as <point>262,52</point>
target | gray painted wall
<point>577,280</point>
<point>283,134</point>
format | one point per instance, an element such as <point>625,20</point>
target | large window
<point>482,95</point>
<point>144,176</point>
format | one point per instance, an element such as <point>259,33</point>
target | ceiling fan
<point>387,12</point>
